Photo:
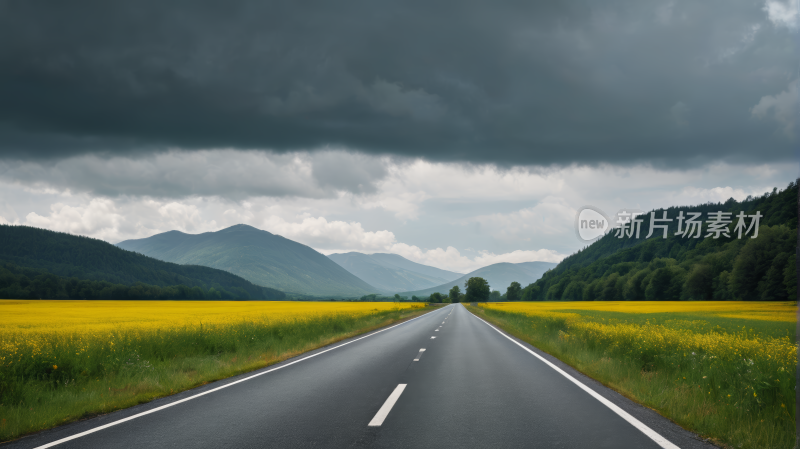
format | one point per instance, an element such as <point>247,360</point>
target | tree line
<point>476,289</point>
<point>26,283</point>
<point>382,298</point>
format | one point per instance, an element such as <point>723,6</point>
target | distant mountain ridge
<point>392,273</point>
<point>35,251</point>
<point>499,276</point>
<point>261,257</point>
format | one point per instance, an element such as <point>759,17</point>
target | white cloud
<point>113,221</point>
<point>320,233</point>
<point>457,180</point>
<point>429,212</point>
<point>552,216</point>
<point>404,205</point>
<point>337,236</point>
<point>783,107</point>
<point>409,183</point>
<point>262,184</point>
<point>750,35</point>
<point>451,259</point>
<point>664,12</point>
<point>100,218</point>
<point>745,41</point>
<point>783,14</point>
<point>104,219</point>
<point>518,256</point>
<point>692,195</point>
<point>183,217</point>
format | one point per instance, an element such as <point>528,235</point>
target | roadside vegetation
<point>725,370</point>
<point>65,360</point>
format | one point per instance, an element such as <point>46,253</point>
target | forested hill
<point>26,252</point>
<point>685,268</point>
<point>259,256</point>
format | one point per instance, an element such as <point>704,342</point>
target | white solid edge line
<point>105,426</point>
<point>661,441</point>
<point>387,406</point>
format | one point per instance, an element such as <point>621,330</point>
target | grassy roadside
<point>741,397</point>
<point>94,375</point>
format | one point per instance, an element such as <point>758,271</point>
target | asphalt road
<point>472,387</point>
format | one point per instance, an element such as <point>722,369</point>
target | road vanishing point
<point>444,379</point>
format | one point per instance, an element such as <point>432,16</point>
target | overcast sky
<point>457,134</point>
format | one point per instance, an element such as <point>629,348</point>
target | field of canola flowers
<point>47,333</point>
<point>724,369</point>
<point>42,317</point>
<point>60,360</point>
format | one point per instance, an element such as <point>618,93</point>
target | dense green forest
<point>685,268</point>
<point>37,263</point>
<point>26,283</point>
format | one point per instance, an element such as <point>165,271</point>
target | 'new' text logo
<point>591,223</point>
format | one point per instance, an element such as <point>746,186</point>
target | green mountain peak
<point>261,257</point>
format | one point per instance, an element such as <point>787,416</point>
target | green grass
<point>147,365</point>
<point>737,402</point>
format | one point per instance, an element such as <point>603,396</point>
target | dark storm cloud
<point>527,82</point>
<point>230,174</point>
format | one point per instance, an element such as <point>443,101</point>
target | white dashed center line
<point>387,406</point>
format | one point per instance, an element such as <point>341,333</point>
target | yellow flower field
<point>42,329</point>
<point>753,310</point>
<point>92,316</point>
<point>72,358</point>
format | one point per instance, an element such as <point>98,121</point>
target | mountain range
<point>39,263</point>
<point>499,276</point>
<point>392,273</point>
<point>260,257</point>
